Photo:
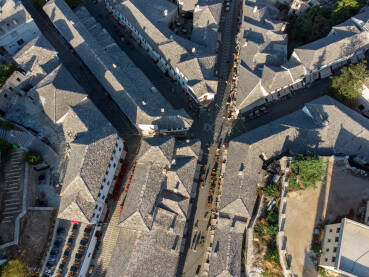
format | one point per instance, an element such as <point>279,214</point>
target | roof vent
<point>173,161</point>
<point>162,110</point>
<point>165,12</point>
<point>187,140</point>
<point>114,66</point>
<point>255,9</point>
<point>143,103</point>
<point>193,50</point>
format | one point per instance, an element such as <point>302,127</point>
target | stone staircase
<point>105,252</point>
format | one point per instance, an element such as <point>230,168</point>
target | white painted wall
<point>108,180</point>
<point>26,32</point>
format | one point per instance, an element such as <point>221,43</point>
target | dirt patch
<point>341,196</point>
<point>34,236</point>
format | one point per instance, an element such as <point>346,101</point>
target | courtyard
<point>342,194</point>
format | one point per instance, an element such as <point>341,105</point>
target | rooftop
<point>155,209</point>
<point>263,43</point>
<point>338,44</point>
<point>12,15</point>
<point>354,248</point>
<point>91,148</point>
<point>226,258</point>
<point>324,126</point>
<point>141,104</point>
<point>148,18</point>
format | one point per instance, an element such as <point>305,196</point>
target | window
<point>18,79</point>
<point>20,42</point>
<point>329,240</point>
<point>335,249</point>
<point>327,250</point>
<point>120,148</point>
<point>361,107</point>
<point>114,165</point>
<point>99,194</point>
<point>326,259</point>
<point>89,254</point>
<point>330,230</point>
<point>100,209</point>
<point>104,180</point>
<point>102,186</point>
<point>338,230</point>
<point>103,197</point>
<point>333,259</point>
<point>336,239</point>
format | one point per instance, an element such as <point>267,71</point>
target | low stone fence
<point>281,237</point>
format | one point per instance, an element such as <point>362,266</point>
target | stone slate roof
<point>275,78</point>
<point>56,96</point>
<point>225,260</point>
<point>12,15</point>
<point>262,43</point>
<point>144,16</point>
<point>206,18</point>
<point>37,58</point>
<point>332,128</point>
<point>46,103</point>
<point>344,40</point>
<point>139,103</point>
<point>155,209</point>
<point>92,141</point>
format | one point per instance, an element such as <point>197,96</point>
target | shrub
<point>310,169</point>
<point>272,254</point>
<point>269,190</point>
<point>272,218</point>
<point>33,157</point>
<point>14,268</point>
<point>272,230</point>
<point>6,70</point>
<point>261,229</point>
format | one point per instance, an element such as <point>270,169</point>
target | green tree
<point>14,268</point>
<point>348,86</point>
<point>309,169</point>
<point>4,145</point>
<point>33,157</point>
<point>344,9</point>
<point>6,70</point>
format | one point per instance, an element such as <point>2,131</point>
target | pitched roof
<point>37,58</point>
<point>331,48</point>
<point>141,104</point>
<point>275,78</point>
<point>12,15</point>
<point>156,207</point>
<point>56,95</point>
<point>92,141</point>
<point>325,126</point>
<point>175,49</point>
